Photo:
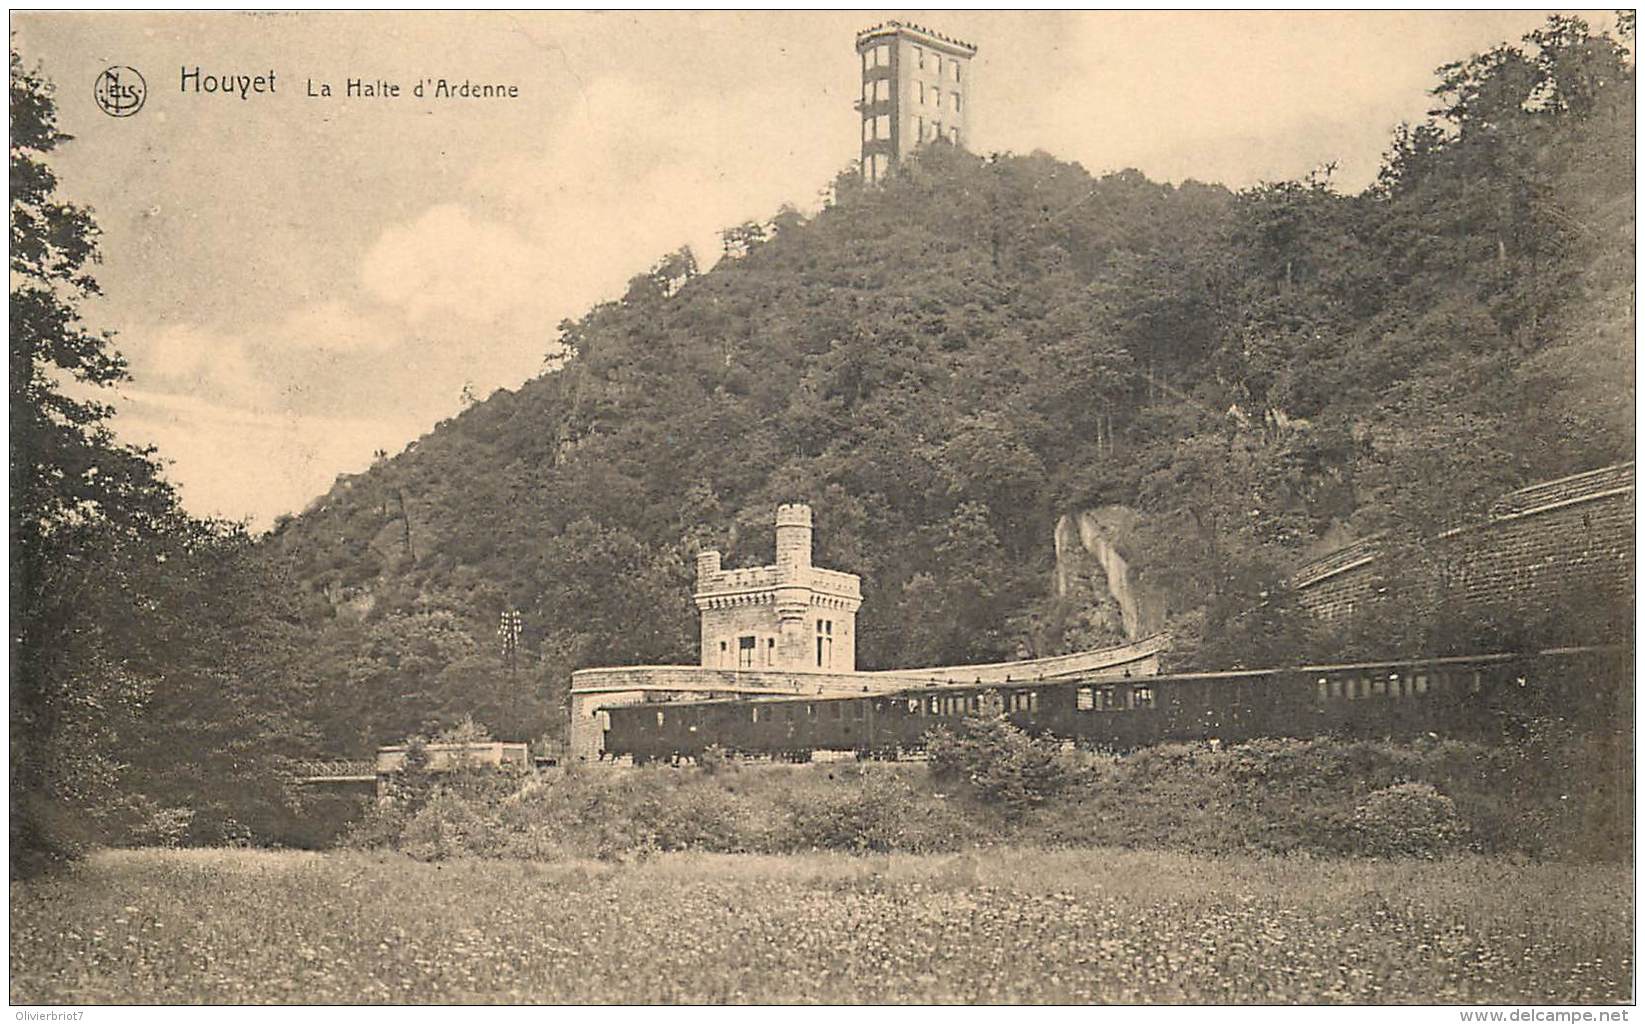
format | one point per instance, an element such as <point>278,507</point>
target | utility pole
<point>508,631</point>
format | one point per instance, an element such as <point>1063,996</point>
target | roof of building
<point>894,27</point>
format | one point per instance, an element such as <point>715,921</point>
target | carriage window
<point>1084,700</point>
<point>1336,688</point>
<point>1142,697</point>
<point>1323,688</point>
<point>934,705</point>
<point>1108,699</point>
<point>1419,683</point>
<point>754,714</point>
<point>856,709</point>
<point>659,718</point>
<point>1477,683</point>
<point>1393,685</point>
<point>976,703</point>
<point>913,706</point>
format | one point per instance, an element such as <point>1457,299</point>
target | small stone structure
<point>370,778</point>
<point>446,757</point>
<point>791,615</point>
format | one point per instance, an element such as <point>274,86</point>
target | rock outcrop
<point>1092,570</point>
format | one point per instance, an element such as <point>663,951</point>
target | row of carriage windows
<point>1391,685</point>
<point>1114,698</point>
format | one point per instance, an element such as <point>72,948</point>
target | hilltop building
<point>791,615</point>
<point>916,87</point>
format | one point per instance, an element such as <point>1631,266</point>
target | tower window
<point>954,136</point>
<point>919,129</point>
<point>882,55</point>
<point>919,56</point>
<point>937,64</point>
<point>867,91</point>
<point>867,129</point>
<point>882,126</point>
<point>825,643</point>
<point>882,90</point>
<point>745,652</point>
<point>954,70</point>
<point>956,103</point>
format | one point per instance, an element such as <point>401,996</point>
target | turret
<point>708,565</point>
<point>793,538</point>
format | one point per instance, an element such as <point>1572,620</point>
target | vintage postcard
<point>766,508</point>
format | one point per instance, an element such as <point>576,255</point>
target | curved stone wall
<point>1549,538</point>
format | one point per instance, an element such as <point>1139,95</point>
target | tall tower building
<point>916,87</point>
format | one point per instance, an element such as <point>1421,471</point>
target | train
<point>1463,695</point>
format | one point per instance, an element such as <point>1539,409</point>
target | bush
<point>1005,766</point>
<point>447,826</point>
<point>163,827</point>
<point>715,759</point>
<point>1408,820</point>
<point>874,810</point>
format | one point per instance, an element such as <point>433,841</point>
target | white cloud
<point>332,325</point>
<point>451,260</point>
<point>190,358</point>
<point>233,462</point>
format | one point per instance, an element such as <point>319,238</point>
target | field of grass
<point>999,925</point>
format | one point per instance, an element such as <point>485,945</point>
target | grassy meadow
<point>992,925</point>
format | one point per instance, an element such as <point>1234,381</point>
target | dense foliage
<point>944,365</point>
<point>1554,794</point>
<point>151,687</point>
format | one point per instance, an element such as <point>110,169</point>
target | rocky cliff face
<point>1092,572</point>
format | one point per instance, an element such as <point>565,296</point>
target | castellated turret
<point>790,615</point>
<point>793,537</point>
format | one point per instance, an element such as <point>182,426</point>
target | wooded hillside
<point>943,365</point>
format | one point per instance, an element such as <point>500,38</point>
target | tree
<point>83,506</point>
<point>136,629</point>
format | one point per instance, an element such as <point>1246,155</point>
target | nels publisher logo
<point>120,91</point>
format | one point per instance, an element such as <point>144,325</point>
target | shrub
<point>873,811</point>
<point>1005,766</point>
<point>163,827</point>
<point>447,826</point>
<point>715,759</point>
<point>1408,820</point>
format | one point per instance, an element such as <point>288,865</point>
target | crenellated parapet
<point>789,615</point>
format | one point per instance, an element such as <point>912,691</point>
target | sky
<point>301,281</point>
